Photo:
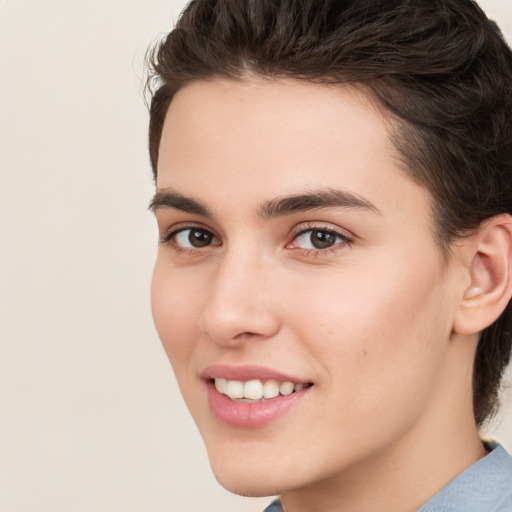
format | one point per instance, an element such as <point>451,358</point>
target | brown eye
<point>194,238</point>
<point>322,239</point>
<point>199,238</point>
<point>318,239</point>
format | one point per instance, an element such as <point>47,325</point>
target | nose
<point>241,305</point>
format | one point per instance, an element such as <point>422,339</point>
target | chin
<point>249,480</point>
<point>249,487</point>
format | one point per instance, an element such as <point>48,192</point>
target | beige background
<point>90,416</point>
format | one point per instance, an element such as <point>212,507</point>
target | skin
<point>369,321</point>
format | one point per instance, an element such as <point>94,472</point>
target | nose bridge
<point>240,304</point>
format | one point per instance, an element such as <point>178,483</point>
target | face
<point>298,290</point>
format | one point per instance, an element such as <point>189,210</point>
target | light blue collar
<point>486,486</point>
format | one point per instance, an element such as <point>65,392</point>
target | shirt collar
<point>486,486</point>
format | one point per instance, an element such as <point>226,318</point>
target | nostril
<point>246,334</point>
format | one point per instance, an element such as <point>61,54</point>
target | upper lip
<point>247,372</point>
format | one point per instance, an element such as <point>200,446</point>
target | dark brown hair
<point>439,66</point>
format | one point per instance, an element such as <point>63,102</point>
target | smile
<point>251,397</point>
<point>256,390</point>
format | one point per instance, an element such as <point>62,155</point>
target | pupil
<point>322,239</point>
<point>199,238</point>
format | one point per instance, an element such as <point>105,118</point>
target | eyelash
<point>345,240</point>
<point>169,238</point>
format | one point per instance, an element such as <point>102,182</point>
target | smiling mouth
<point>256,390</point>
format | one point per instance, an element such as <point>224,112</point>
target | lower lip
<point>250,415</point>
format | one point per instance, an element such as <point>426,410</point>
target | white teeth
<point>255,389</point>
<point>220,384</point>
<point>234,389</point>
<point>286,388</point>
<point>271,389</point>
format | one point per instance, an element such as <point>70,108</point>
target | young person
<point>334,274</point>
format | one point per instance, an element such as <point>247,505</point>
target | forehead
<point>260,138</point>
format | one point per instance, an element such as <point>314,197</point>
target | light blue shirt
<point>486,486</point>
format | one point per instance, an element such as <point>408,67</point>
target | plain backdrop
<point>90,415</point>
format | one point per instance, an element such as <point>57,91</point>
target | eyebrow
<point>168,198</point>
<point>277,207</point>
<point>323,198</point>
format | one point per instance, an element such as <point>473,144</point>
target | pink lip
<point>243,414</point>
<point>246,372</point>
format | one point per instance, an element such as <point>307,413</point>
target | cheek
<point>174,303</point>
<point>382,328</point>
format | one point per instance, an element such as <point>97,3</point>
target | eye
<point>192,238</point>
<point>317,239</point>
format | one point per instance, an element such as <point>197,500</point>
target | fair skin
<point>349,296</point>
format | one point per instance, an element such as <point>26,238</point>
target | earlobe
<point>490,276</point>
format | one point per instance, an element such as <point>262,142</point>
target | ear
<point>489,268</point>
